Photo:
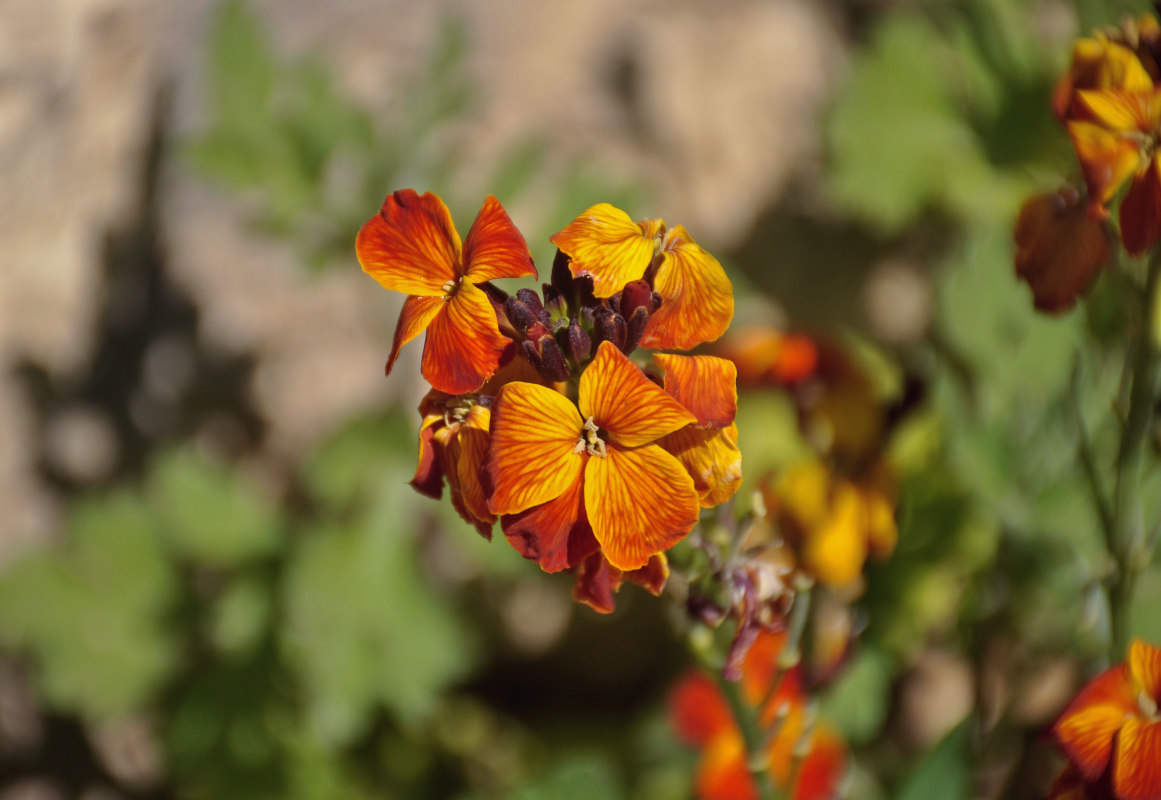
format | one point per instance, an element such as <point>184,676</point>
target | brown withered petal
<point>1141,211</point>
<point>1060,249</point>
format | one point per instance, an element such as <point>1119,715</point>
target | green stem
<point>746,716</point>
<point>1129,534</point>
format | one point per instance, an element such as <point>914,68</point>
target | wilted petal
<point>1145,667</point>
<point>596,582</point>
<point>416,316</point>
<point>532,458</point>
<point>464,343</point>
<point>711,457</point>
<point>494,247</point>
<point>1137,771</point>
<point>697,297</point>
<point>466,456</point>
<point>410,246</point>
<point>640,502</point>
<point>653,576</point>
<point>608,246</point>
<point>1141,211</point>
<point>1060,249</point>
<point>621,400</point>
<point>1086,729</point>
<point>1107,159</point>
<point>705,385</point>
<point>428,478</point>
<point>556,534</point>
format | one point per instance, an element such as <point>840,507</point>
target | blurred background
<point>214,580</point>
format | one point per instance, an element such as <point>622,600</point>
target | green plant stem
<point>750,725</point>
<point>1128,528</point>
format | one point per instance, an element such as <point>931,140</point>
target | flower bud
<point>577,343</point>
<point>552,364</point>
<point>610,327</point>
<point>636,294</point>
<point>519,314</point>
<point>554,302</point>
<point>635,329</point>
<point>531,299</point>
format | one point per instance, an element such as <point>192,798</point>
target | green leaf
<point>857,703</point>
<point>944,774</point>
<point>241,69</point>
<point>580,778</point>
<point>92,614</point>
<point>211,514</point>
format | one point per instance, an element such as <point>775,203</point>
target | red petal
<point>464,343</point>
<point>697,709</point>
<point>428,478</point>
<point>1137,771</point>
<point>416,316</point>
<point>723,773</point>
<point>596,582</point>
<point>705,385</point>
<point>1141,211</point>
<point>697,297</point>
<point>822,769</point>
<point>410,246</point>
<point>1086,729</point>
<point>555,534</point>
<point>494,247</point>
<point>640,502</point>
<point>621,400</point>
<point>1145,667</point>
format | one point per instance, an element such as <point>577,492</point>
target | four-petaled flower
<point>411,246</point>
<point>1114,725</point>
<point>563,475</point>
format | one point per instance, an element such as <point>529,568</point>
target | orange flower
<point>605,244</point>
<point>766,356</point>
<point>411,246</point>
<point>1059,249</point>
<point>801,751</point>
<point>708,448</point>
<point>1099,62</point>
<point>1114,724</point>
<point>562,475</point>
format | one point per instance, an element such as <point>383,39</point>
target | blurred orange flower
<point>1099,62</point>
<point>1060,248</point>
<point>411,246</point>
<point>605,244</point>
<point>1114,725</point>
<point>803,755</point>
<point>562,475</point>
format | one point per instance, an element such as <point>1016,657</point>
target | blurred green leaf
<point>945,773</point>
<point>857,703</point>
<point>580,778</point>
<point>241,69</point>
<point>241,615</point>
<point>209,513</point>
<point>93,612</point>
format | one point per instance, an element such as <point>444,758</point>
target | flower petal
<point>605,244</point>
<point>1137,771</point>
<point>411,245</point>
<point>835,549</point>
<point>1107,159</point>
<point>823,767</point>
<point>1098,63</point>
<point>697,299</point>
<point>466,454</point>
<point>531,460</point>
<point>1120,110</point>
<point>697,709</point>
<point>556,534</point>
<point>712,459</point>
<point>428,478</point>
<point>653,576</point>
<point>464,343</point>
<point>723,773</point>
<point>1141,211</point>
<point>1060,249</point>
<point>1086,729</point>
<point>621,400</point>
<point>705,385</point>
<point>416,316</point>
<point>494,247</point>
<point>640,502</point>
<point>1145,667</point>
<point>596,582</point>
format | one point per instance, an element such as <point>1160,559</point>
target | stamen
<point>595,444</point>
<point>450,288</point>
<point>1147,705</point>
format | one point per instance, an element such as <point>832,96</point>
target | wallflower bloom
<point>1114,724</point>
<point>563,475</point>
<point>800,749</point>
<point>453,440</point>
<point>597,580</point>
<point>605,244</point>
<point>1098,62</point>
<point>412,247</point>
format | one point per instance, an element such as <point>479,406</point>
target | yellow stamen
<point>1148,706</point>
<point>593,443</point>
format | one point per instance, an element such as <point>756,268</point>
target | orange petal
<point>622,401</point>
<point>596,582</point>
<point>882,532</point>
<point>761,667</point>
<point>1137,771</point>
<point>465,458</point>
<point>653,576</point>
<point>1098,63</point>
<point>464,343</point>
<point>697,709</point>
<point>1086,729</point>
<point>705,385</point>
<point>712,459</point>
<point>640,502</point>
<point>531,460</point>
<point>1107,159</point>
<point>555,534</point>
<point>723,773</point>
<point>1145,667</point>
<point>1120,110</point>
<point>697,299</point>
<point>428,478</point>
<point>1060,249</point>
<point>822,769</point>
<point>494,247</point>
<point>410,246</point>
<point>416,316</point>
<point>605,244</point>
<point>1141,211</point>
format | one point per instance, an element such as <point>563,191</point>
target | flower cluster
<point>537,417</point>
<point>802,754</point>
<point>1111,733</point>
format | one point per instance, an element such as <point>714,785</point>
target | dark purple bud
<point>588,316</point>
<point>497,295</point>
<point>636,294</point>
<point>635,329</point>
<point>561,274</point>
<point>654,303</point>
<point>579,343</point>
<point>528,350</point>
<point>530,298</point>
<point>611,327</point>
<point>552,364</point>
<point>614,303</point>
<point>521,316</point>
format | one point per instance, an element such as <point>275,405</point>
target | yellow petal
<point>836,549</point>
<point>640,502</point>
<point>1121,110</point>
<point>712,459</point>
<point>1106,159</point>
<point>532,459</point>
<point>622,401</point>
<point>1137,771</point>
<point>1145,667</point>
<point>466,455</point>
<point>697,299</point>
<point>605,244</point>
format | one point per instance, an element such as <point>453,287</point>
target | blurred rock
<point>33,789</point>
<point>934,697</point>
<point>81,444</point>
